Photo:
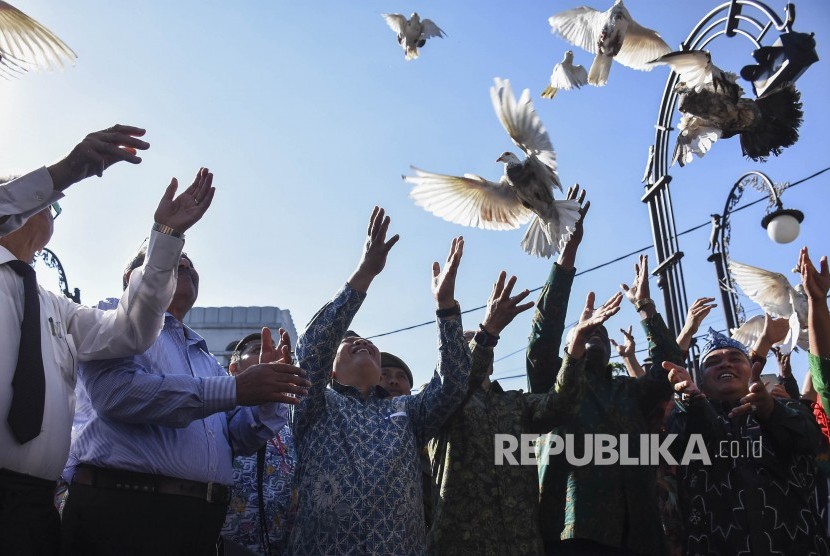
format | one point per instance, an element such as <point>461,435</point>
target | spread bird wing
<point>692,66</point>
<point>430,29</point>
<point>580,26</point>
<point>770,290</point>
<point>749,332</point>
<point>567,77</point>
<point>468,200</point>
<point>396,22</point>
<point>525,128</point>
<point>26,41</point>
<point>640,46</point>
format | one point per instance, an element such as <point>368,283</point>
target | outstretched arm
<point>430,408</point>
<point>136,322</point>
<point>816,285</point>
<point>318,343</point>
<point>543,359</point>
<point>32,192</point>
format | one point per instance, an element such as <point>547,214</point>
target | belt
<point>117,479</point>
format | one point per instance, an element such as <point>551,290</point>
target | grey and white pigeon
<point>566,76</point>
<point>774,294</point>
<point>523,194</point>
<point>611,35</point>
<point>27,45</point>
<point>413,32</point>
<point>713,106</point>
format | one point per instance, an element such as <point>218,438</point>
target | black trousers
<point>29,522</point>
<point>98,521</point>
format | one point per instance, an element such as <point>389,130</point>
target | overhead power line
<point>607,263</point>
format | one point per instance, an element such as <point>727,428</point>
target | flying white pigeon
<point>566,76</point>
<point>524,193</point>
<point>26,45</point>
<point>773,292</point>
<point>713,106</point>
<point>612,34</point>
<point>749,332</point>
<point>413,32</point>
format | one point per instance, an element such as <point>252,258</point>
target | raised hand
<point>375,251</point>
<point>590,319</point>
<point>699,310</point>
<point>271,382</point>
<point>758,401</point>
<point>784,367</point>
<point>443,281</point>
<point>97,152</point>
<point>639,289</point>
<point>501,307</point>
<point>816,284</point>
<point>681,381</point>
<point>628,347</point>
<point>568,255</point>
<point>180,213</point>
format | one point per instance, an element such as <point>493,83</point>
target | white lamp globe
<point>784,226</point>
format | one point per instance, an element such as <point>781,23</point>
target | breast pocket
<point>65,353</point>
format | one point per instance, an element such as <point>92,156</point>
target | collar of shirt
<point>351,391</point>
<point>190,335</point>
<point>6,255</point>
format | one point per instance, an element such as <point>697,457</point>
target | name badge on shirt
<point>397,414</point>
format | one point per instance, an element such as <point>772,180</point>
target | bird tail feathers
<point>781,117</point>
<point>546,237</point>
<point>598,75</point>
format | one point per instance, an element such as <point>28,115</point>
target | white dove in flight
<point>26,45</point>
<point>713,107</point>
<point>774,294</point>
<point>566,76</point>
<point>524,193</point>
<point>413,32</point>
<point>611,35</point>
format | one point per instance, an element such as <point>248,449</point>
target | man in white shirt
<point>30,463</point>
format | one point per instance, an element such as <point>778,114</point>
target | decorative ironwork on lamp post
<point>51,260</point>
<point>774,67</point>
<point>782,225</point>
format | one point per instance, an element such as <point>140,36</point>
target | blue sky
<point>308,114</point>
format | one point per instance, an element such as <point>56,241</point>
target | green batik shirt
<point>479,507</point>
<point>820,375</point>
<point>615,505</point>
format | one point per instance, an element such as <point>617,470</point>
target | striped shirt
<point>168,411</point>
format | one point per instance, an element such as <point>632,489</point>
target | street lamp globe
<point>783,225</point>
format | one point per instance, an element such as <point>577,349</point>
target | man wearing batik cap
<point>757,494</point>
<point>395,376</point>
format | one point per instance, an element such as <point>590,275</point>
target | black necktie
<point>29,382</point>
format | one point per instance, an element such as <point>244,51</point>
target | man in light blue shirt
<point>155,436</point>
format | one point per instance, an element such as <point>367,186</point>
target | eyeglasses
<point>55,210</point>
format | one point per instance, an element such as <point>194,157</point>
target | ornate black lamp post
<point>782,226</point>
<point>51,260</point>
<point>782,61</point>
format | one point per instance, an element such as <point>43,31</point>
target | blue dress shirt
<point>168,411</point>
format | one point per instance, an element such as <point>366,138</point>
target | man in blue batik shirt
<point>359,472</point>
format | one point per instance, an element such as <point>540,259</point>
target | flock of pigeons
<point>711,103</point>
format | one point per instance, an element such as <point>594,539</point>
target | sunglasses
<point>55,210</point>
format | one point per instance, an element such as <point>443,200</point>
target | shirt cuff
<point>163,251</point>
<point>272,415</point>
<point>219,393</point>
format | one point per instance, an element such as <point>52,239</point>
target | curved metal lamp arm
<point>51,260</point>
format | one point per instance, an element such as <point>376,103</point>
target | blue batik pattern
<point>359,475</point>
